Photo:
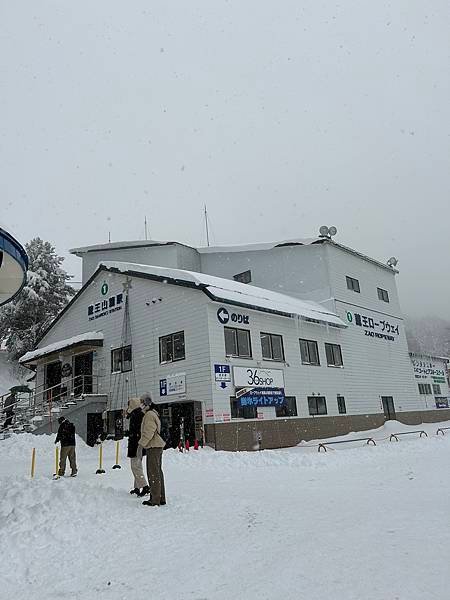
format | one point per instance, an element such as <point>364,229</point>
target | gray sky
<point>281,116</point>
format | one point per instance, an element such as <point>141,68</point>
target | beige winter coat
<point>150,429</point>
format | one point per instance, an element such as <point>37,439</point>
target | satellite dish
<point>324,231</point>
<point>392,262</point>
<point>332,231</point>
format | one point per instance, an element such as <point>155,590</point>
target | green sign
<point>104,289</point>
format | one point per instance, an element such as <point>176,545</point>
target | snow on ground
<point>355,523</point>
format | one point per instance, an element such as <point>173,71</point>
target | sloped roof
<point>232,292</point>
<point>93,338</point>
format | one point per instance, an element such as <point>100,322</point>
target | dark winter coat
<point>134,435</point>
<point>66,434</point>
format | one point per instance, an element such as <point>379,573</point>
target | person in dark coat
<point>66,436</point>
<point>135,414</point>
<point>8,411</point>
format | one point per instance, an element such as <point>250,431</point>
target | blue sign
<point>222,372</point>
<point>163,387</point>
<point>263,397</point>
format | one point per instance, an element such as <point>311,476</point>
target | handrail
<point>39,402</point>
<point>368,440</point>
<point>395,435</point>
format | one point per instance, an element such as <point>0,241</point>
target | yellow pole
<point>33,461</point>
<point>56,461</point>
<point>100,460</point>
<point>117,466</point>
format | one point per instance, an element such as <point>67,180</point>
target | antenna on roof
<point>109,237</point>
<point>145,228</point>
<point>206,226</point>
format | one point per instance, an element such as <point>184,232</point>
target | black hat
<point>61,419</point>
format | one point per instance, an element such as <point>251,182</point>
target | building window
<point>353,284</point>
<point>289,409</point>
<point>242,412</point>
<point>272,346</point>
<point>317,405</point>
<point>171,347</point>
<point>425,388</point>
<point>383,295</point>
<point>121,360</point>
<point>334,355</point>
<point>342,409</point>
<point>237,342</point>
<point>309,352</point>
<point>436,389</point>
<point>244,277</point>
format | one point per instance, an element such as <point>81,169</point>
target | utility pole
<point>145,228</point>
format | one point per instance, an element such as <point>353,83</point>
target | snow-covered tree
<point>46,293</point>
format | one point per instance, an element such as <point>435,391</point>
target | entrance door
<point>94,428</point>
<point>177,420</point>
<point>388,407</point>
<point>82,373</point>
<point>53,380</point>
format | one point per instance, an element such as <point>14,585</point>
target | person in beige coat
<point>153,444</point>
<point>135,415</point>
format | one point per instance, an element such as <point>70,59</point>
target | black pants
<point>155,475</point>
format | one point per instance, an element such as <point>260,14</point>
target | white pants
<point>136,468</point>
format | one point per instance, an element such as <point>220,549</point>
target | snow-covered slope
<point>356,523</point>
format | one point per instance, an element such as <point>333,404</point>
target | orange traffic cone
<point>187,445</point>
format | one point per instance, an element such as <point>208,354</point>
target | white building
<point>243,366</point>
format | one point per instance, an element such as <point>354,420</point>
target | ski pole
<point>33,461</point>
<point>117,466</point>
<point>100,469</point>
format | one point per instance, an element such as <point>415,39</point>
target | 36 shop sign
<point>258,378</point>
<point>374,328</point>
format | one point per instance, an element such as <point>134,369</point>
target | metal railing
<point>21,407</point>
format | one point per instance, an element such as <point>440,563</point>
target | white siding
<point>181,308</point>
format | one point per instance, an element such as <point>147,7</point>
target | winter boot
<point>135,491</point>
<point>145,490</point>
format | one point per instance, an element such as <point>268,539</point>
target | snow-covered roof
<point>262,246</point>
<point>233,292</point>
<point>121,246</point>
<point>94,338</point>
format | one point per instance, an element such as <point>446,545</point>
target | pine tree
<point>46,293</point>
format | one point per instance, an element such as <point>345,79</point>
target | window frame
<point>342,407</point>
<point>436,389</point>
<point>311,364</point>
<point>425,389</point>
<point>314,399</point>
<point>120,351</point>
<point>272,335</point>
<point>332,346</point>
<point>351,281</point>
<point>235,331</point>
<point>383,295</point>
<point>171,337</point>
<point>242,412</point>
<point>286,408</point>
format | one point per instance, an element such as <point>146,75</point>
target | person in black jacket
<point>135,414</point>
<point>66,436</point>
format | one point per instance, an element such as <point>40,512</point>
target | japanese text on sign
<point>263,397</point>
<point>105,307</point>
<point>380,329</point>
